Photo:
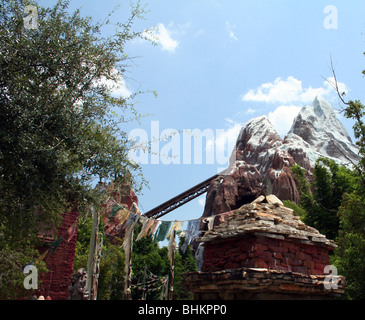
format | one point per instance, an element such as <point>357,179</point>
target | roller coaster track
<point>181,199</point>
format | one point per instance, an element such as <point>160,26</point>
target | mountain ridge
<point>262,157</point>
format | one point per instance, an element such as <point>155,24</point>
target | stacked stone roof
<point>267,216</point>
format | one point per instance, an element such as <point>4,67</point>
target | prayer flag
<point>162,230</point>
<point>115,210</point>
<point>71,231</point>
<point>175,227</point>
<point>144,221</point>
<point>54,245</point>
<point>192,233</point>
<point>154,227</point>
<point>43,255</point>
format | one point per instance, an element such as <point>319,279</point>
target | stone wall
<point>262,252</point>
<point>262,284</point>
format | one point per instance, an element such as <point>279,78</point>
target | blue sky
<point>219,63</point>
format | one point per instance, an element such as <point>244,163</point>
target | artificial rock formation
<point>262,250</point>
<point>56,282</point>
<point>59,263</point>
<point>121,199</point>
<point>263,158</point>
<point>77,288</point>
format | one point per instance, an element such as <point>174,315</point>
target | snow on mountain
<point>316,132</point>
<point>261,160</point>
<point>324,134</point>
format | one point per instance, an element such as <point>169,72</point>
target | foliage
<point>147,254</point>
<point>148,257</point>
<point>111,276</point>
<point>82,243</point>
<point>298,211</point>
<point>60,124</point>
<point>12,261</point>
<point>334,204</point>
<point>350,254</point>
<point>322,198</point>
<point>184,262</point>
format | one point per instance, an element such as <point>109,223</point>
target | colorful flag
<point>71,231</point>
<point>147,224</point>
<point>115,210</point>
<point>54,245</point>
<point>171,248</point>
<point>144,221</point>
<point>162,231</point>
<point>154,227</point>
<point>43,255</point>
<point>192,233</point>
<point>175,227</point>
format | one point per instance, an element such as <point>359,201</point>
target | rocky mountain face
<point>261,161</point>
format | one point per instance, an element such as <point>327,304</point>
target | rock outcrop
<point>261,161</point>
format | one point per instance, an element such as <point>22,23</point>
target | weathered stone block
<point>259,263</point>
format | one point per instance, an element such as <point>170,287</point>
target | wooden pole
<point>144,293</point>
<point>172,269</point>
<point>128,245</point>
<point>127,285</point>
<point>96,268</point>
<point>92,254</point>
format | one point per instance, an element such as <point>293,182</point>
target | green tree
<point>350,255</point>
<point>298,210</point>
<point>322,198</point>
<point>12,263</point>
<point>60,124</point>
<point>111,276</point>
<point>184,262</point>
<point>148,261</point>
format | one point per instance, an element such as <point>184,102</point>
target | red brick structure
<point>263,251</point>
<point>55,282</point>
<point>60,264</point>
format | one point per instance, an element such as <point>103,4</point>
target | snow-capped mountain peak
<point>262,159</point>
<point>319,126</point>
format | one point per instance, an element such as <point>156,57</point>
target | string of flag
<point>158,229</point>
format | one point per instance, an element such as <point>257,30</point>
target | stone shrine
<point>263,251</point>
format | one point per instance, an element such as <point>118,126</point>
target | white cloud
<point>201,201</point>
<point>199,32</point>
<point>162,36</point>
<point>250,111</point>
<point>117,88</point>
<point>291,95</point>
<point>289,91</point>
<point>225,139</point>
<point>282,118</point>
<point>230,31</point>
<point>341,86</point>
